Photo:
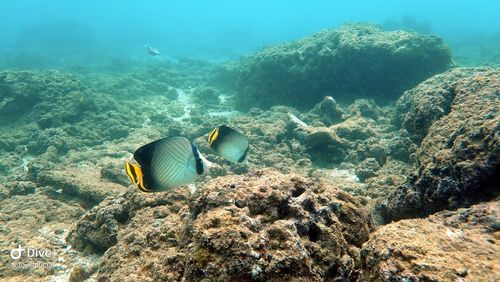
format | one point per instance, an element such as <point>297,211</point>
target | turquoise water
<point>43,33</point>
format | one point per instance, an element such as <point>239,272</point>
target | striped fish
<point>166,164</point>
<point>229,143</point>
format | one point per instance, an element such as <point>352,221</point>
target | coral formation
<point>329,111</point>
<point>432,99</point>
<point>458,159</point>
<point>58,113</point>
<point>259,226</point>
<point>355,61</point>
<point>459,245</point>
<point>20,91</point>
<point>206,95</point>
<point>367,168</point>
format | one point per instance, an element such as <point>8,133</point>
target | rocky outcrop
<point>37,221</point>
<point>20,91</point>
<point>417,109</point>
<point>324,145</point>
<point>355,61</point>
<point>459,245</point>
<point>459,158</point>
<point>98,229</point>
<point>56,113</point>
<point>260,226</point>
<point>328,111</point>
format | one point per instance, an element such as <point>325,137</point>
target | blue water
<point>72,31</point>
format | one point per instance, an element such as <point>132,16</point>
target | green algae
<point>354,61</point>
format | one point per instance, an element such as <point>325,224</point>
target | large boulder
<point>263,226</point>
<point>432,99</point>
<point>354,61</point>
<point>458,161</point>
<point>457,245</point>
<point>98,229</point>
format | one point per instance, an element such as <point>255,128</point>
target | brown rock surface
<point>418,108</point>
<point>263,225</point>
<point>458,161</point>
<point>448,246</point>
<point>36,221</point>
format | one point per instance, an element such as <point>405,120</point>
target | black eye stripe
<point>199,162</point>
<point>132,175</point>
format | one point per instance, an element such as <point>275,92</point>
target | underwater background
<point>373,131</point>
<point>58,33</point>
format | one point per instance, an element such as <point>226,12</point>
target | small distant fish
<point>165,164</point>
<point>152,51</point>
<point>229,143</point>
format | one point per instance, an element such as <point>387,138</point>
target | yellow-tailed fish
<point>165,164</point>
<point>229,143</point>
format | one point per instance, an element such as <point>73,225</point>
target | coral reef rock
<point>432,99</point>
<point>262,225</point>
<point>458,161</point>
<point>36,221</point>
<point>20,91</point>
<point>98,230</point>
<point>457,245</point>
<point>324,145</point>
<point>352,62</point>
<point>329,111</point>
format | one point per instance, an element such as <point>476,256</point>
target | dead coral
<point>351,62</point>
<point>263,225</point>
<point>448,246</point>
<point>458,160</point>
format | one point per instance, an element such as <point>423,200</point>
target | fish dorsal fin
<point>224,129</point>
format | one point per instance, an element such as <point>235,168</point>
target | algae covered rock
<point>98,229</point>
<point>329,111</point>
<point>356,128</point>
<point>263,225</point>
<point>432,99</point>
<point>325,146</point>
<point>367,169</point>
<point>459,245</point>
<point>21,90</point>
<point>458,161</point>
<point>36,221</point>
<point>351,62</point>
<point>206,95</point>
<point>364,108</point>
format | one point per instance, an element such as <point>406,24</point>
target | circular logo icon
<point>17,253</point>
